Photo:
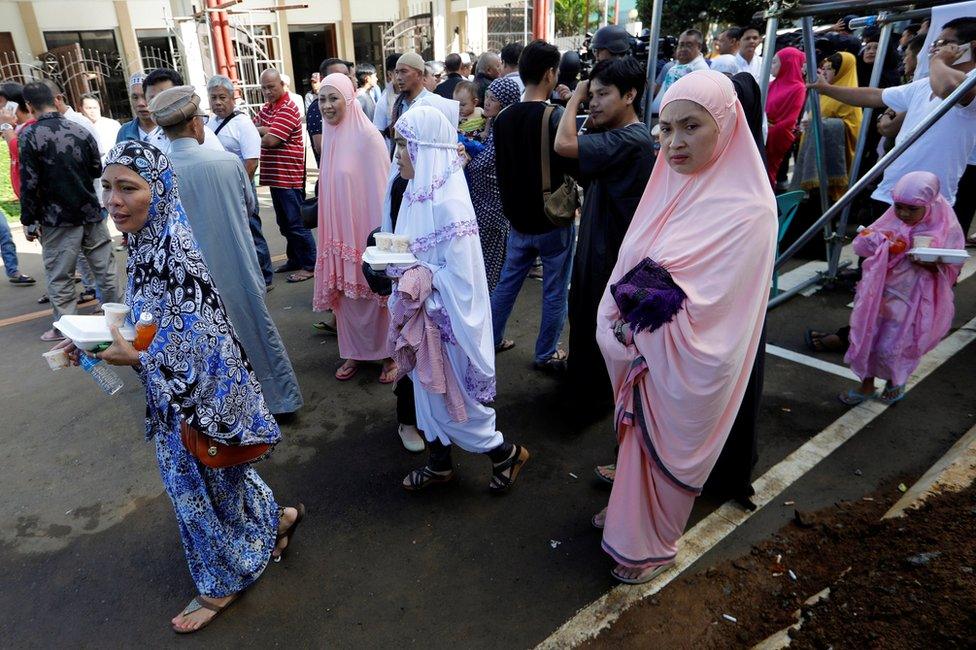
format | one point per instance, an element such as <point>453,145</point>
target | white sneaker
<point>412,440</point>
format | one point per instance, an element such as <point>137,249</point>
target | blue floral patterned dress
<point>196,370</point>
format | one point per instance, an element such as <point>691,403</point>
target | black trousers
<point>965,205</point>
<point>405,407</point>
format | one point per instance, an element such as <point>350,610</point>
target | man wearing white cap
<point>216,194</point>
<point>142,123</point>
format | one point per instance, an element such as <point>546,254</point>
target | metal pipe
<point>822,8</point>
<point>656,9</point>
<point>772,24</point>
<point>816,126</point>
<point>944,107</point>
<point>783,296</point>
<point>867,122</point>
<point>885,17</point>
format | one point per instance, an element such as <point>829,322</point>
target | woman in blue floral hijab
<point>195,371</point>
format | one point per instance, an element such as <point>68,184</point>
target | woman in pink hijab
<point>352,180</point>
<point>787,94</point>
<point>680,322</point>
<point>903,307</point>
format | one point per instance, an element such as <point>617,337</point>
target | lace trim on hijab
<point>443,321</point>
<point>325,298</point>
<point>342,250</point>
<point>444,233</point>
<point>479,386</point>
<point>413,144</point>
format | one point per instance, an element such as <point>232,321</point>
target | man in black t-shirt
<point>518,162</point>
<point>615,161</point>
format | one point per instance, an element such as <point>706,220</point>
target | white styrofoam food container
<point>87,332</point>
<point>943,255</point>
<point>379,260</point>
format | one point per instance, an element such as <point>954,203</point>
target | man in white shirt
<point>688,58</point>
<point>239,136</point>
<point>106,129</point>
<point>946,146</point>
<point>156,82</point>
<point>747,58</point>
<point>510,57</point>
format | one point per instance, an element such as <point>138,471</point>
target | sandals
<point>500,483</point>
<point>389,374</point>
<point>348,373</point>
<point>198,603</point>
<point>555,364</point>
<point>892,395</point>
<point>424,477</point>
<point>815,341</point>
<point>599,520</point>
<point>853,397</point>
<point>323,326</point>
<point>504,346</point>
<point>289,532</point>
<point>300,276</point>
<point>645,577</point>
<point>606,473</point>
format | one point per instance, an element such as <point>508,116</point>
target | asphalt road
<point>90,555</point>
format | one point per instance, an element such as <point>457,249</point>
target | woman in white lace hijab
<point>436,214</point>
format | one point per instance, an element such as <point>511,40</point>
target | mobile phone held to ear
<point>966,56</point>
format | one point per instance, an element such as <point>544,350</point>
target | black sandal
<point>500,483</point>
<point>290,531</point>
<point>424,477</point>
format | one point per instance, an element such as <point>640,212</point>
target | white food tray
<point>943,255</point>
<point>379,260</point>
<point>87,332</point>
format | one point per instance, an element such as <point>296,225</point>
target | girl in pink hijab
<point>787,94</point>
<point>352,180</point>
<point>903,307</point>
<point>680,321</point>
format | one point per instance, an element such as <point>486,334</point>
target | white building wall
<point>149,14</point>
<point>10,21</point>
<point>66,15</point>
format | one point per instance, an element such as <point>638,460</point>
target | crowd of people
<point>658,249</point>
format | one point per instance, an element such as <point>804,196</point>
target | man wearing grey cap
<point>217,196</point>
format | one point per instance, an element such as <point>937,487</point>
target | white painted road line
<point>812,362</point>
<point>707,533</point>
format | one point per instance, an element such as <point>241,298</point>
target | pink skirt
<point>364,328</point>
<point>647,513</point>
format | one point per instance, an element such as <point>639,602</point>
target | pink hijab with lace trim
<point>715,233</point>
<point>352,180</point>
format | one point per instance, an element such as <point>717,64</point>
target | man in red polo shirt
<point>283,169</point>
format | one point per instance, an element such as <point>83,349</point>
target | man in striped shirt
<point>283,169</point>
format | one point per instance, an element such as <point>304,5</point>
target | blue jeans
<point>300,247</point>
<point>7,249</point>
<point>556,250</point>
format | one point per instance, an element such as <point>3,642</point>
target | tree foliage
<point>679,15</point>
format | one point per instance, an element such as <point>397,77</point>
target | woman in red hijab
<point>787,94</point>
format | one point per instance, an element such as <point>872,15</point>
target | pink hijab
<point>715,233</point>
<point>352,181</point>
<point>902,310</point>
<point>787,94</point>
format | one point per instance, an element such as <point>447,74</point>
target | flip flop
<point>854,397</point>
<point>600,470</point>
<point>387,375</point>
<point>198,603</point>
<point>289,532</point>
<point>894,394</point>
<point>348,374</point>
<point>299,277</point>
<point>323,326</point>
<point>597,522</point>
<point>644,578</point>
<point>504,346</point>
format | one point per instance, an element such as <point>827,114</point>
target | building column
<point>404,44</point>
<point>284,38</point>
<point>127,34</point>
<point>347,48</point>
<point>34,34</point>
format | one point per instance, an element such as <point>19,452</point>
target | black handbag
<point>310,212</point>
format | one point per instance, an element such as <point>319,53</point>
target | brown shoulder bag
<point>562,204</point>
<point>216,454</point>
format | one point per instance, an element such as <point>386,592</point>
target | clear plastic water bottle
<point>106,378</point>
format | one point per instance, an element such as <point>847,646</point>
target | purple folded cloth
<point>647,296</point>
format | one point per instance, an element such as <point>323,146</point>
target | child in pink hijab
<point>679,324</point>
<point>903,307</point>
